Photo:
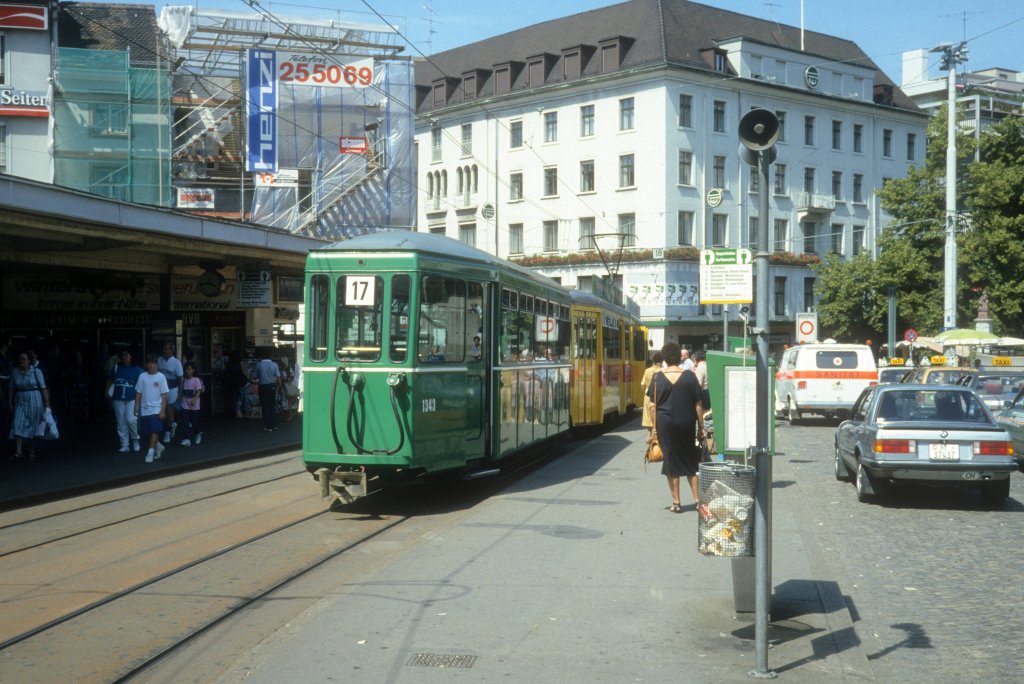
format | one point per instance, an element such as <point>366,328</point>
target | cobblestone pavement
<point>934,580</point>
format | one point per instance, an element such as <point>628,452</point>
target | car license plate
<point>944,452</point>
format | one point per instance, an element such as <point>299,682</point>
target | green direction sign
<point>726,276</point>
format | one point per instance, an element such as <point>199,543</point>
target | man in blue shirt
<point>269,377</point>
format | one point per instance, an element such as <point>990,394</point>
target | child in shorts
<point>151,407</point>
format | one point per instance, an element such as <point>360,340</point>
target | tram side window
<point>612,342</point>
<point>318,328</point>
<point>516,328</point>
<point>357,327</point>
<point>399,329</point>
<point>564,330</point>
<point>442,330</point>
<point>639,350</point>
<point>475,321</point>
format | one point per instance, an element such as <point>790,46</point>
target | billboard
<point>261,111</point>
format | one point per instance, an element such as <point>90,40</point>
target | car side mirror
<point>1007,403</point>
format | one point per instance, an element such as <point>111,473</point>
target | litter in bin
<point>724,522</point>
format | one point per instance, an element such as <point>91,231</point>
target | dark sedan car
<point>931,434</point>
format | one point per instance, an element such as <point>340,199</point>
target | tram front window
<point>357,333</point>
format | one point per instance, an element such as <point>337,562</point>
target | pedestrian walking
<point>700,369</point>
<point>121,384</point>
<point>191,391</point>
<point>646,420</point>
<point>680,420</point>
<point>5,389</point>
<point>269,376</point>
<point>28,399</point>
<point>171,368</point>
<point>151,406</point>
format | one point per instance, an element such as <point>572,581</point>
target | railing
<point>813,202</point>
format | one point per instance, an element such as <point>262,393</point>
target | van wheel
<point>792,412</point>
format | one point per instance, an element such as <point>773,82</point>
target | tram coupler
<point>347,485</point>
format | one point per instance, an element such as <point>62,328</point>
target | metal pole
<point>949,299</point>
<point>725,327</point>
<point>762,458</point>
<point>892,321</point>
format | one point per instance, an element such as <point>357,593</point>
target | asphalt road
<point>933,579</point>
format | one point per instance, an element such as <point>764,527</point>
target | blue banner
<point>261,103</point>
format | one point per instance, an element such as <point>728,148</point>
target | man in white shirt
<point>171,368</point>
<point>686,364</point>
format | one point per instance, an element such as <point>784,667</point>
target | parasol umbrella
<point>962,336</point>
<point>1010,342</point>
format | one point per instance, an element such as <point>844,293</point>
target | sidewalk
<point>577,573</point>
<point>85,459</point>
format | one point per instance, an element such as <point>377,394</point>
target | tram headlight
<point>396,379</point>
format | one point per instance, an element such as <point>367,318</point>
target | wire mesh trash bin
<point>725,512</point>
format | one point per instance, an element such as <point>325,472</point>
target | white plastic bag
<point>48,425</point>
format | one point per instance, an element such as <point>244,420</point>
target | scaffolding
<point>325,188</point>
<point>111,134</point>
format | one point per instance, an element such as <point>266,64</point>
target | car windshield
<point>999,384</point>
<point>944,405</point>
<point>945,377</point>
<point>891,374</point>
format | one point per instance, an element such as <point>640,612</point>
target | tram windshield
<point>357,334</point>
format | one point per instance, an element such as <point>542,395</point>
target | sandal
<point>675,508</point>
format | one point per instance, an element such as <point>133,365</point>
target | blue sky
<point>882,28</point>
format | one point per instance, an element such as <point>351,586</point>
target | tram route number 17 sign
<point>726,276</point>
<point>359,290</point>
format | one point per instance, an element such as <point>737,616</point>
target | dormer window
<point>473,82</point>
<point>539,66</point>
<point>575,60</point>
<point>613,52</point>
<point>505,75</point>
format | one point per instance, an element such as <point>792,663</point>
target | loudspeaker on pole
<point>759,129</point>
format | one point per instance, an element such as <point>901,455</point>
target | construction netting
<point>111,127</point>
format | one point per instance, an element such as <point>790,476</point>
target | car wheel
<point>995,493</point>
<point>842,471</point>
<point>867,486</point>
<point>792,412</point>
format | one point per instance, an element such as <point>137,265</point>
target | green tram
<point>424,355</point>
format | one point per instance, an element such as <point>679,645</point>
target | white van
<point>822,378</point>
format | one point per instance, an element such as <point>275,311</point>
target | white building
<point>613,127</point>
<point>25,94</point>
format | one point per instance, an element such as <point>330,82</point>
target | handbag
<point>654,453</point>
<point>47,428</point>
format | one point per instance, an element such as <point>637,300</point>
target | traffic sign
<point>807,327</point>
<point>726,276</point>
<point>910,335</point>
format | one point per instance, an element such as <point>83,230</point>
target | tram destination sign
<point>726,276</point>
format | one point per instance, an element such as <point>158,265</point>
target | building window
<point>551,236</point>
<point>467,234</point>
<point>109,119</point>
<point>911,146</point>
<point>627,229</point>
<point>587,176</point>
<point>627,178</point>
<point>721,63</point>
<point>809,179</point>
<point>837,184</point>
<point>626,114</point>
<point>837,238</point>
<point>719,229</point>
<point>719,116</point>
<point>752,232</point>
<point>781,116</point>
<point>435,144</point>
<point>685,167</point>
<point>858,187</point>
<point>3,59</point>
<point>808,294</point>
<point>515,238</point>
<point>718,172</point>
<point>515,186</point>
<point>550,181</point>
<point>808,130</point>
<point>780,296</point>
<point>684,228</point>
<point>837,135</point>
<point>887,142</point>
<point>586,121</point>
<point>781,235</point>
<point>467,140</point>
<point>755,178</point>
<point>516,134</point>
<point>587,233</point>
<point>550,127</point>
<point>858,240</point>
<point>780,179</point>
<point>810,237</point>
<point>858,137</point>
<point>685,111</point>
<point>109,181</point>
<point>437,230</point>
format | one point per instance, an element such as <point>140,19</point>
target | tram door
<point>586,397</point>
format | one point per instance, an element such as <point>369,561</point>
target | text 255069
<point>357,75</point>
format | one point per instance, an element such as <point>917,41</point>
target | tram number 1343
<point>429,405</point>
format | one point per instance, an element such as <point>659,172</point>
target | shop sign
<point>190,294</point>
<point>253,289</point>
<point>284,178</point>
<point>261,111</point>
<point>34,292</point>
<point>196,198</point>
<point>283,313</point>
<point>31,17</point>
<point>22,103</point>
<point>290,290</point>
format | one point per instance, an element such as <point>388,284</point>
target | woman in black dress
<point>676,394</point>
